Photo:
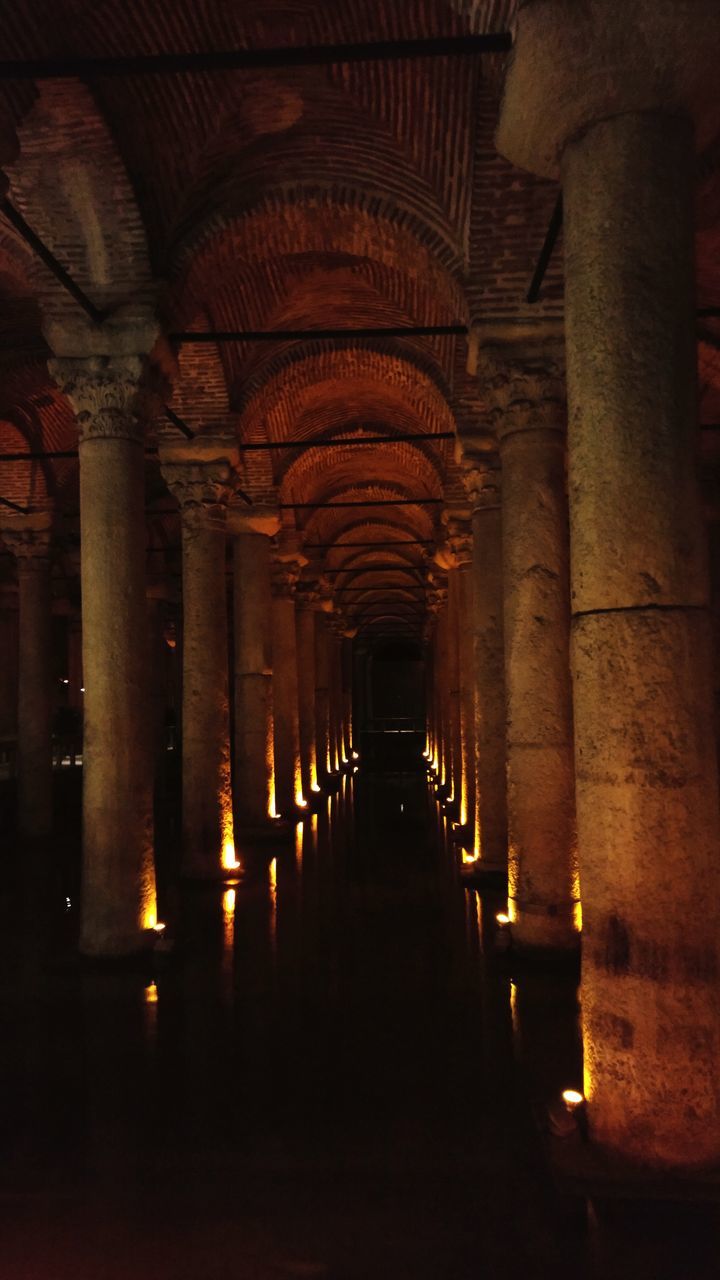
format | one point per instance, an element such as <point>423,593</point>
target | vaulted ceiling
<point>363,194</point>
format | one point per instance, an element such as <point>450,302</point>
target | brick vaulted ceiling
<point>361,194</point>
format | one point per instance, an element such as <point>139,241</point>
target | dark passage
<point>331,1074</point>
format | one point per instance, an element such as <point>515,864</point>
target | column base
<point>113,951</point>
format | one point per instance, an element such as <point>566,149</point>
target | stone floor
<point>331,1074</point>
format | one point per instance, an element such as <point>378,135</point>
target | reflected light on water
<point>228,910</point>
<point>273,902</point>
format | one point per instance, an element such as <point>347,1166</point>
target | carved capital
<point>524,388</point>
<point>256,519</point>
<point>456,551</point>
<point>286,570</point>
<point>28,538</point>
<point>200,474</point>
<point>111,396</point>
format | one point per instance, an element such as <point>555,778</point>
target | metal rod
<point>364,502</point>
<point>196,336</point>
<point>546,252</point>
<point>252,447</point>
<point>171,416</point>
<point>39,247</point>
<point>5,502</point>
<point>87,67</point>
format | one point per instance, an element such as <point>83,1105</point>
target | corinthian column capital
<point>200,474</point>
<point>28,537</point>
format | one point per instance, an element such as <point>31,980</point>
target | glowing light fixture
<point>502,918</point>
<point>469,856</point>
<point>151,993</point>
<point>159,927</point>
<point>572,1099</point>
<point>355,755</point>
<point>301,802</point>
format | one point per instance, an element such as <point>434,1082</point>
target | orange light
<point>301,802</point>
<point>502,918</point>
<point>572,1099</point>
<point>469,856</point>
<point>159,927</point>
<point>151,993</point>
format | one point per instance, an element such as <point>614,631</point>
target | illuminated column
<point>199,474</point>
<point>254,779</point>
<point>457,552</point>
<point>346,659</point>
<point>337,735</point>
<point>118,897</point>
<point>529,416</point>
<point>28,537</point>
<point>442,702</point>
<point>161,593</point>
<point>322,695</point>
<point>288,777</point>
<point>646,763</point>
<point>450,659</point>
<point>305,624</point>
<point>482,480</point>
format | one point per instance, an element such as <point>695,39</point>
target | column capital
<point>286,569</point>
<point>200,474</point>
<point>260,520</point>
<point>456,551</point>
<point>28,537</point>
<point>113,396</point>
<point>574,64</point>
<point>523,381</point>
<point>481,474</point>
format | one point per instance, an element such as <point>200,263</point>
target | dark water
<point>332,1074</point>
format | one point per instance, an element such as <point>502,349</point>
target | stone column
<point>346,660</point>
<point>646,766</point>
<point>254,758</point>
<point>305,600</point>
<point>457,554</point>
<point>322,696</point>
<point>199,474</point>
<point>452,751</point>
<point>118,892</point>
<point>8,668</point>
<point>288,778</point>
<point>525,386</point>
<point>28,537</point>
<point>441,689</point>
<point>481,473</point>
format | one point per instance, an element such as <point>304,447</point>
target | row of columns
<point>611,758</point>
<point>275,772</point>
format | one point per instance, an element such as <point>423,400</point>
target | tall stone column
<point>450,659</point>
<point>118,888</point>
<point>457,558</point>
<point>28,537</point>
<point>322,696</point>
<point>288,777</point>
<point>254,754</point>
<point>525,387</point>
<point>646,766</point>
<point>346,660</point>
<point>481,473</point>
<point>199,473</point>
<point>442,700</point>
<point>305,600</point>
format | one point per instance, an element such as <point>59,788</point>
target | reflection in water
<point>335,1069</point>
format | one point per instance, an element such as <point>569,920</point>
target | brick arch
<point>285,228</point>
<point>329,389</point>
<point>71,185</point>
<point>314,476</point>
